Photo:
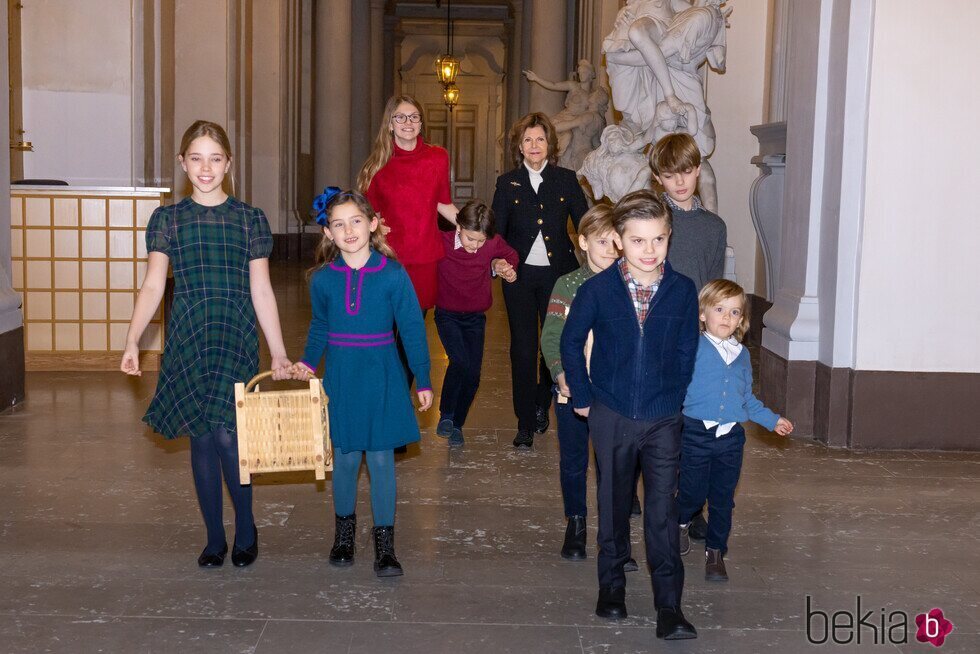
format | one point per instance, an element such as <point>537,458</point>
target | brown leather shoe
<point>714,565</point>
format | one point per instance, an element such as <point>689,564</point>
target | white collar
<point>729,348</point>
<point>533,172</point>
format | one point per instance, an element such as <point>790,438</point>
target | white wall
<point>736,100</point>
<point>918,308</point>
<point>77,84</point>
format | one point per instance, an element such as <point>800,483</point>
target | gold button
<point>517,201</point>
<point>541,205</point>
<point>562,199</point>
<point>547,238</point>
<point>540,221</point>
<point>549,254</point>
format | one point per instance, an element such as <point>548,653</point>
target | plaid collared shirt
<point>641,295</point>
<point>673,205</point>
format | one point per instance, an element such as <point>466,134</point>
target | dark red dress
<point>405,192</point>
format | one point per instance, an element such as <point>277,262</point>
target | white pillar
<point>548,53</point>
<point>332,107</point>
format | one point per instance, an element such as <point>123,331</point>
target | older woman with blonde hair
<point>532,204</point>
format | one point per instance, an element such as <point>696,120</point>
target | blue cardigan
<point>639,374</point>
<point>723,392</point>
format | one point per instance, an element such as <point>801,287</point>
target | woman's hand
<point>783,427</point>
<point>425,400</point>
<point>562,386</point>
<point>504,270</point>
<point>131,360</point>
<point>385,230</point>
<point>282,367</point>
<point>583,412</point>
<point>300,371</point>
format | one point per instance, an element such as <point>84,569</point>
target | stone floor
<point>99,532</point>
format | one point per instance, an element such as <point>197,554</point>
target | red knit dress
<point>405,192</point>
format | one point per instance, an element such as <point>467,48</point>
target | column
<point>332,95</point>
<point>361,128</point>
<point>548,51</point>
<point>376,78</point>
<point>11,320</point>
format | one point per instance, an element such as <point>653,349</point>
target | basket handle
<point>257,378</point>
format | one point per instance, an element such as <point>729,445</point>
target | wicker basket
<point>281,431</point>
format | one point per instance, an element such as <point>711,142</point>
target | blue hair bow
<point>321,201</point>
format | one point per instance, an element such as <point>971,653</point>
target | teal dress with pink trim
<point>355,313</point>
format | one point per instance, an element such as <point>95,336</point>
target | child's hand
<point>282,368</point>
<point>425,400</point>
<point>384,227</point>
<point>783,427</point>
<point>562,386</point>
<point>583,412</point>
<point>301,372</point>
<point>504,270</point>
<point>131,361</point>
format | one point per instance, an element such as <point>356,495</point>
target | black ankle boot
<point>342,552</point>
<point>385,563</point>
<point>574,546</point>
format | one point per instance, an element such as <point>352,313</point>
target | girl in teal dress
<point>359,295</point>
<point>219,249</point>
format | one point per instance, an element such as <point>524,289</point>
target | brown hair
<point>535,119</point>
<point>381,152</point>
<point>475,216</point>
<point>675,153</point>
<point>717,291</point>
<point>596,220</point>
<point>640,205</point>
<point>215,132</point>
<point>327,250</point>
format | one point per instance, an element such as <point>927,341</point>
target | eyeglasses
<point>401,118</point>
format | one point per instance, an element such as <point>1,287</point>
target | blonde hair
<point>719,290</point>
<point>675,153</point>
<point>383,142</point>
<point>213,131</point>
<point>327,251</point>
<point>596,220</point>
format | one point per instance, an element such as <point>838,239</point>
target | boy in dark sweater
<point>644,320</point>
<point>699,237</point>
<point>462,300</point>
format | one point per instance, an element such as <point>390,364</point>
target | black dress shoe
<point>671,625</point>
<point>541,420</point>
<point>631,565</point>
<point>635,509</point>
<point>245,557</point>
<point>699,527</point>
<point>574,546</point>
<point>611,603</point>
<point>524,438</point>
<point>212,560</point>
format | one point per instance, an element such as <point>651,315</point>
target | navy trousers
<point>710,468</point>
<point>620,443</point>
<point>462,335</point>
<point>573,457</point>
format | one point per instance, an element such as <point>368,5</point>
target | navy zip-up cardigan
<point>641,374</point>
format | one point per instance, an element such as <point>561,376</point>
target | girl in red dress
<point>407,182</point>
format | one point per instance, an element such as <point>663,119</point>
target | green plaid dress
<point>212,341</point>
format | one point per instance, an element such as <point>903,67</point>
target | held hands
<point>504,270</point>
<point>783,427</point>
<point>425,400</point>
<point>282,367</point>
<point>385,230</point>
<point>131,361</point>
<point>562,386</point>
<point>299,372</point>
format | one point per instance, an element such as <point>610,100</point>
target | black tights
<point>209,456</point>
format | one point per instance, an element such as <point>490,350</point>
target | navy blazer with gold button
<point>520,212</point>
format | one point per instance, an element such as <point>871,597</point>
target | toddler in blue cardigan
<point>718,399</point>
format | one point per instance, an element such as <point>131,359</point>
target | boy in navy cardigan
<point>644,320</point>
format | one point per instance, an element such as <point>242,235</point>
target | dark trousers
<point>710,468</point>
<point>573,458</point>
<point>462,335</point>
<point>619,443</point>
<point>527,304</point>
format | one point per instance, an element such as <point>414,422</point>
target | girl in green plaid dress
<point>219,249</point>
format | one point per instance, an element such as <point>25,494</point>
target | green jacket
<point>558,306</point>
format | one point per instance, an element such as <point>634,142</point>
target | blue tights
<point>381,467</point>
<point>210,455</point>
